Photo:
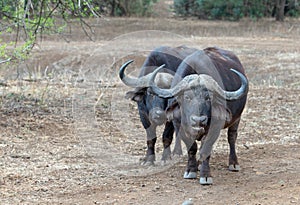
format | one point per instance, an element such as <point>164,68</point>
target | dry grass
<point>65,137</point>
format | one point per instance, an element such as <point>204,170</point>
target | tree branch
<point>5,61</point>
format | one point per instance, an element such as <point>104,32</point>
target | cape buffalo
<point>152,108</point>
<point>210,92</point>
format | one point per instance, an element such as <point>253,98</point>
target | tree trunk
<point>113,7</point>
<point>280,4</point>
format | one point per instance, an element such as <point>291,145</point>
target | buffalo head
<point>153,105</point>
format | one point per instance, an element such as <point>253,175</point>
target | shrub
<point>219,9</point>
<point>233,9</point>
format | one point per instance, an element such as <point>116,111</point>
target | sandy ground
<point>68,135</point>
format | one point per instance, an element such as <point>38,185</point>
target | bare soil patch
<point>62,134</point>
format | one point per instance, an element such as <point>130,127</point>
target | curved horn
<point>202,79</point>
<point>122,69</point>
<point>212,85</point>
<point>234,95</point>
<point>134,82</point>
<point>183,85</point>
<point>131,82</point>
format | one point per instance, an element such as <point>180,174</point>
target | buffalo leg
<point>167,140</point>
<point>205,174</point>
<point>232,136</point>
<point>192,168</point>
<point>177,147</point>
<point>151,140</point>
<point>176,123</point>
<point>206,148</point>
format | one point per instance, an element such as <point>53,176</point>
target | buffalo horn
<point>194,80</point>
<point>183,85</point>
<point>142,81</point>
<point>234,95</point>
<point>212,85</point>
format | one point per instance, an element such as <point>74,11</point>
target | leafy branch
<point>28,19</point>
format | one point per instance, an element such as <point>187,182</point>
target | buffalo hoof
<point>177,156</point>
<point>234,167</point>
<point>148,160</point>
<point>166,155</point>
<point>165,162</point>
<point>206,180</point>
<point>177,151</point>
<point>190,175</point>
<point>147,163</point>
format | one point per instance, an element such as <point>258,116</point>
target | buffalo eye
<point>187,98</point>
<point>149,93</point>
<point>207,97</point>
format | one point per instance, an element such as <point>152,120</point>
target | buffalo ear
<point>135,95</point>
<point>173,111</point>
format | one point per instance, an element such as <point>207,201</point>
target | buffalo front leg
<point>192,166</point>
<point>207,143</point>
<point>167,140</point>
<point>232,136</point>
<point>151,140</point>
<point>205,175</point>
<point>177,147</point>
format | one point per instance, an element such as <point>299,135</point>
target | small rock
<point>281,183</point>
<point>2,181</point>
<point>294,200</point>
<point>246,146</point>
<point>44,189</point>
<point>259,173</point>
<point>188,202</point>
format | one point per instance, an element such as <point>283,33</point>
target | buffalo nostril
<point>202,120</point>
<point>158,112</point>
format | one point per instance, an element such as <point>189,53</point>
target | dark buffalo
<point>151,107</point>
<point>210,89</point>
